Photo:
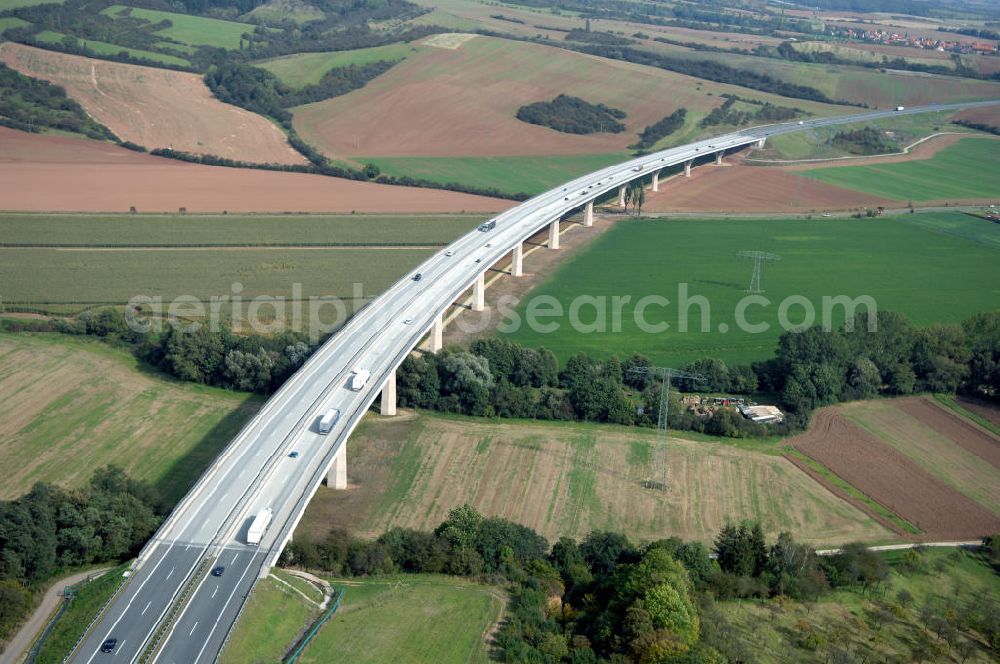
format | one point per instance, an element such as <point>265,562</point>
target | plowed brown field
<point>738,188</point>
<point>988,115</point>
<point>156,108</point>
<point>62,174</point>
<point>892,479</point>
<point>965,434</point>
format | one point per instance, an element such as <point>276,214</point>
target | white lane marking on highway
<point>171,573</point>
<point>224,496</point>
<point>234,559</point>
<point>147,608</point>
<point>215,591</point>
<point>120,646</point>
<point>193,628</point>
<point>223,609</point>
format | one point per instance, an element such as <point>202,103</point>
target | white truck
<point>258,526</point>
<point>900,108</point>
<point>329,418</point>
<point>359,379</point>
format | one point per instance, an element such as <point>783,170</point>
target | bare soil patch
<point>963,433</point>
<point>63,174</point>
<point>740,188</point>
<point>156,108</point>
<point>893,480</point>
<point>987,115</point>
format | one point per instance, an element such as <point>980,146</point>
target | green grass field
<point>193,30</point>
<point>944,267</point>
<point>14,4</point>
<point>414,618</point>
<point>8,22</point>
<point>969,169</point>
<point>104,48</point>
<point>83,608</point>
<point>109,259</point>
<point>845,619</point>
<point>531,175</point>
<point>304,69</point>
<point>273,619</point>
<point>66,398</point>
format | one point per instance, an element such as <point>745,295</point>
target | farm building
<point>762,414</point>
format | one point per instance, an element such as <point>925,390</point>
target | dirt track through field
<point>156,108</point>
<point>63,174</point>
<point>893,480</point>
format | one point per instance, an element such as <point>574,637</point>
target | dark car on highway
<point>109,645</point>
<point>218,571</point>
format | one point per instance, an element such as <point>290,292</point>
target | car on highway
<point>294,454</point>
<point>479,260</point>
<point>418,276</point>
<point>218,570</point>
<point>408,321</point>
<point>109,645</point>
<point>450,252</point>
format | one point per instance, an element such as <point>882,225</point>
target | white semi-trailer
<point>359,379</point>
<point>258,526</point>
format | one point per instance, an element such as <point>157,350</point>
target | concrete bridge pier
<point>588,215</point>
<point>687,168</point>
<point>760,143</point>
<point>387,406</point>
<point>517,260</point>
<point>437,334</point>
<point>336,476</point>
<point>718,158</point>
<point>621,196</point>
<point>656,181</point>
<point>554,234</point>
<point>479,292</point>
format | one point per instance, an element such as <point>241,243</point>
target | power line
<point>758,258</point>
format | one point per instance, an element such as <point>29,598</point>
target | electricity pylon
<point>758,258</point>
<point>658,480</point>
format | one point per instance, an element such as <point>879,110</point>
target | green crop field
<point>944,267</point>
<point>104,48</point>
<point>531,175</point>
<point>969,169</point>
<point>413,619</point>
<point>71,405</point>
<point>304,69</point>
<point>8,22</point>
<point>74,261</point>
<point>193,30</point>
<point>273,620</point>
<point>14,4</point>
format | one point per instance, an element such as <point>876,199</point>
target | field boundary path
<point>25,636</point>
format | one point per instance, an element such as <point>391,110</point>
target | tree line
<point>51,529</point>
<point>607,599</point>
<point>30,104</point>
<point>572,115</point>
<point>867,140</point>
<point>657,131</point>
<point>725,114</point>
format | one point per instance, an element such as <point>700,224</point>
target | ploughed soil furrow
<point>892,480</point>
<point>965,434</point>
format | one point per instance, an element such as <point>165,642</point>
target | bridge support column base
<point>656,181</point>
<point>437,334</point>
<point>621,196</point>
<point>760,143</point>
<point>479,293</point>
<point>687,168</point>
<point>588,215</point>
<point>554,235</point>
<point>718,158</point>
<point>517,260</point>
<point>388,401</point>
<point>336,477</point>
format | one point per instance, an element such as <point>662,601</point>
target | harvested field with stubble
<point>570,479</point>
<point>69,406</point>
<point>156,108</point>
<point>910,470</point>
<point>101,177</point>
